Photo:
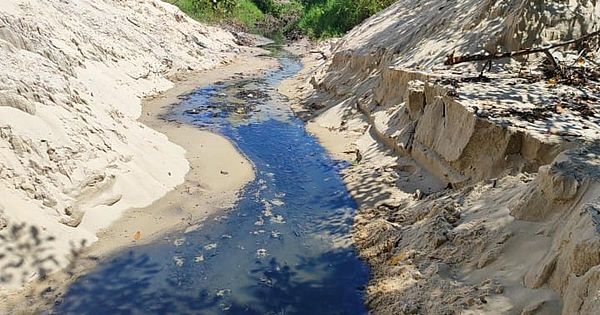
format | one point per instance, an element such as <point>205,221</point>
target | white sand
<point>73,156</point>
<point>204,190</point>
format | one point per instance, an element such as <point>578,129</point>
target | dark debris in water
<point>276,252</point>
<point>252,94</point>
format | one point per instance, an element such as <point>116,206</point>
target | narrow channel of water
<point>285,248</point>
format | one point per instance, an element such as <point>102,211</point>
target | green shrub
<point>247,13</point>
<point>315,18</point>
<point>214,11</point>
<point>328,18</point>
<point>267,6</point>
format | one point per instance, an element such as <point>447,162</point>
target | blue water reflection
<point>285,248</point>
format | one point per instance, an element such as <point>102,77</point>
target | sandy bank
<point>206,188</point>
<point>73,155</point>
<point>217,169</point>
<point>477,198</point>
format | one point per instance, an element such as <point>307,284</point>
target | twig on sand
<point>132,21</point>
<point>323,55</point>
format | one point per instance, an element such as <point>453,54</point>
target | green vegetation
<point>329,18</point>
<point>244,12</point>
<point>315,18</point>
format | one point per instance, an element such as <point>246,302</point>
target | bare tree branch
<point>453,60</point>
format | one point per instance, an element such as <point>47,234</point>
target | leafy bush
<point>315,18</point>
<point>328,18</point>
<point>214,11</point>
<point>247,13</point>
<point>267,6</point>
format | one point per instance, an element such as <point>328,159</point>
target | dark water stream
<point>285,248</point>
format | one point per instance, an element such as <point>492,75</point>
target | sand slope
<point>73,156</point>
<point>471,201</point>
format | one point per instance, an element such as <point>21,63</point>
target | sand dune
<point>73,156</point>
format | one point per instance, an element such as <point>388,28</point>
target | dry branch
<point>453,60</point>
<point>323,55</point>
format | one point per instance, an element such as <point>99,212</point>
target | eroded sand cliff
<point>477,195</point>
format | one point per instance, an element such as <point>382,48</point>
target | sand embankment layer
<point>73,154</point>
<point>478,195</point>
